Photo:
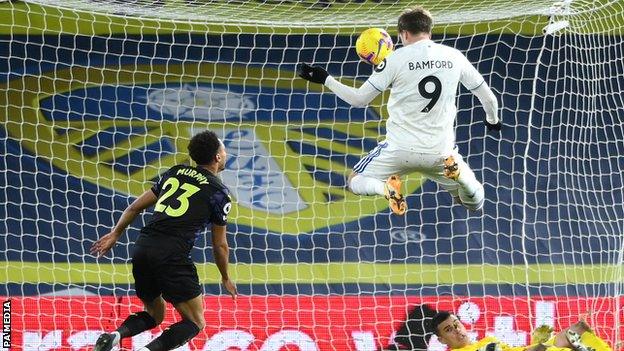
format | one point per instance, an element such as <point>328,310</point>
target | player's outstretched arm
<point>359,97</point>
<point>105,243</point>
<point>490,105</point>
<point>221,252</point>
<point>472,80</point>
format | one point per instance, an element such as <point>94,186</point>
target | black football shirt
<point>189,199</point>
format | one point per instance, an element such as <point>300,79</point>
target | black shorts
<point>158,271</point>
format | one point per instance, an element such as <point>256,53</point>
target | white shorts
<point>386,160</point>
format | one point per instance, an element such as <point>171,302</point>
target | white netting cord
<point>583,56</point>
<point>309,13</point>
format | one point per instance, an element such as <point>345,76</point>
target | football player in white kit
<point>420,136</point>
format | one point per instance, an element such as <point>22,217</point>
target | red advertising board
<point>282,323</point>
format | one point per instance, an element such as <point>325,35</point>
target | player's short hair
<point>203,147</point>
<point>415,20</point>
<point>437,320</point>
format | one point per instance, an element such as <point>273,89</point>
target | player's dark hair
<point>415,20</point>
<point>204,147</point>
<point>437,320</point>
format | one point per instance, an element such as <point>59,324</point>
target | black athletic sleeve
<point>157,187</point>
<point>222,204</point>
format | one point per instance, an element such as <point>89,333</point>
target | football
<point>374,45</point>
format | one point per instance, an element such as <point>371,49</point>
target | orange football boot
<point>451,170</point>
<point>392,190</point>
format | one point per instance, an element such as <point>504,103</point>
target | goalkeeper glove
<point>495,126</point>
<point>313,74</point>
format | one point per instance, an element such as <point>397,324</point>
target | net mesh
<point>99,97</point>
<point>308,13</point>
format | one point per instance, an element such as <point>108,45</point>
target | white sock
<point>116,338</point>
<point>471,191</point>
<point>472,199</point>
<point>362,185</point>
<point>144,349</point>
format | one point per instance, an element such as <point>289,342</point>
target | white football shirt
<point>422,104</point>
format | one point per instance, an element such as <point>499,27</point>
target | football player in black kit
<point>186,200</point>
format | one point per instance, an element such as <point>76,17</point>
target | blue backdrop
<point>552,175</point>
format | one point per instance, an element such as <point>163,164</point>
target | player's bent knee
<point>198,318</point>
<point>156,309</point>
<point>199,321</point>
<point>192,311</point>
<point>353,183</point>
<point>159,318</point>
<point>350,180</point>
<point>202,324</point>
<point>196,315</point>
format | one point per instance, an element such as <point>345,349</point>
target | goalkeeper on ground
<point>420,130</point>
<point>578,337</point>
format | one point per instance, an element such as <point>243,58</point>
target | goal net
<point>99,97</point>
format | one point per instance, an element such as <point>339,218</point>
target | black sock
<point>176,335</point>
<point>135,324</point>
